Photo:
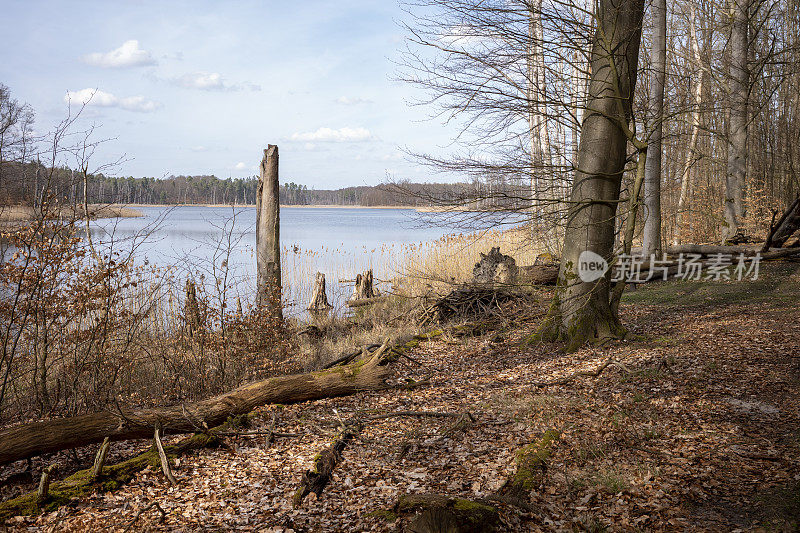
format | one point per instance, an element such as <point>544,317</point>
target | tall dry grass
<point>437,266</point>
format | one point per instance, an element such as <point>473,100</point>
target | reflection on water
<point>212,241</point>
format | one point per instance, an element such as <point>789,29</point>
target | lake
<point>218,242</point>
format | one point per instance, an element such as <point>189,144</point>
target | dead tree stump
<point>319,300</point>
<point>364,289</point>
<point>495,267</point>
<point>192,309</point>
<point>268,244</point>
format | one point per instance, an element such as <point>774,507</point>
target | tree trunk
<point>691,149</point>
<point>652,172</point>
<point>268,244</point>
<point>737,123</point>
<point>787,225</point>
<point>581,310</point>
<point>28,440</point>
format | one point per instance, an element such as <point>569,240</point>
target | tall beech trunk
<point>541,153</point>
<point>652,171</point>
<point>268,243</point>
<point>581,311</point>
<point>36,438</point>
<point>736,171</point>
<point>691,149</point>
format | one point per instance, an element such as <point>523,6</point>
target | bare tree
<point>652,179</point>
<point>582,309</point>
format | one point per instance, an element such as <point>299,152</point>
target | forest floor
<point>695,426</point>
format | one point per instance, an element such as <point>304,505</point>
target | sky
<point>202,87</point>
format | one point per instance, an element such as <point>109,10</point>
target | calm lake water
<point>218,242</point>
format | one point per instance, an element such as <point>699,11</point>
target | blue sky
<point>201,87</point>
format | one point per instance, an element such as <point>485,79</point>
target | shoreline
<point>15,214</point>
<point>283,206</point>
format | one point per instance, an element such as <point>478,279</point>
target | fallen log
<point>28,440</point>
<point>539,274</point>
<point>316,479</point>
<point>786,226</point>
<point>705,249</point>
<point>531,466</point>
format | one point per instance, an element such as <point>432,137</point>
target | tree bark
<point>737,123</point>
<point>268,244</point>
<point>581,310</point>
<point>652,172</point>
<point>691,149</point>
<point>28,440</point>
<point>787,225</point>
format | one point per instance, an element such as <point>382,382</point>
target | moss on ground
<point>772,286</point>
<point>81,483</point>
<point>531,461</point>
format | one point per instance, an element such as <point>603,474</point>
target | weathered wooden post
<point>268,244</point>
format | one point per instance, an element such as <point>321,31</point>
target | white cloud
<point>331,135</point>
<point>346,100</point>
<point>198,149</point>
<point>96,97</point>
<point>211,81</point>
<point>240,166</point>
<point>206,81</point>
<point>127,55</point>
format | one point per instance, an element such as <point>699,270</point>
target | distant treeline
<point>24,184</point>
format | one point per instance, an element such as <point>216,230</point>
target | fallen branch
<point>36,438</point>
<point>144,510</point>
<point>317,478</point>
<point>162,456</point>
<point>455,515</point>
<point>589,373</point>
<point>786,226</point>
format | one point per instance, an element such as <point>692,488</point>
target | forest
<point>20,187</point>
<point>609,342</point>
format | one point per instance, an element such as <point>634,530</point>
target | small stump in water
<point>319,300</point>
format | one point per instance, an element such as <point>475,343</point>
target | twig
<point>144,510</point>
<point>590,373</point>
<point>162,455</point>
<point>274,434</point>
<point>435,414</point>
